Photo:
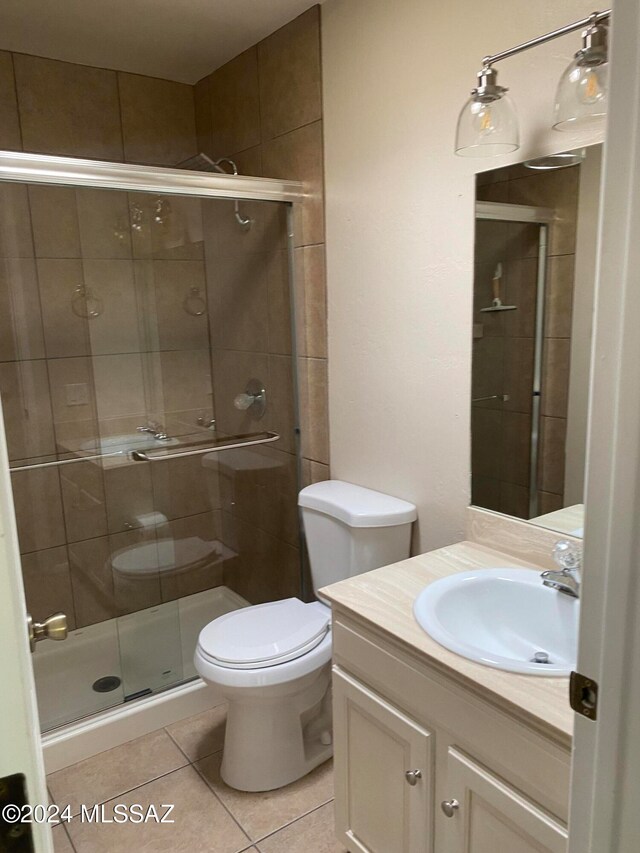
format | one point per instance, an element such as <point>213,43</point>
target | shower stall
<point>510,289</point>
<point>148,385</point>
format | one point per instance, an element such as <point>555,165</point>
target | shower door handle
<point>53,628</point>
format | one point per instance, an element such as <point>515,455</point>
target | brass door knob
<point>53,628</point>
<point>412,776</point>
<point>449,807</point>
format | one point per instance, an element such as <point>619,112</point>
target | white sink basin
<point>125,443</point>
<point>502,618</point>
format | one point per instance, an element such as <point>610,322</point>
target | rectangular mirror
<point>534,277</point>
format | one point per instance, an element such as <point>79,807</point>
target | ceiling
<point>178,39</point>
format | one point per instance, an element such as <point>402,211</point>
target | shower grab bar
<point>140,456</point>
<point>267,438</point>
<point>504,397</point>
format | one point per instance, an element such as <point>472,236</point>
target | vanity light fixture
<point>488,124</point>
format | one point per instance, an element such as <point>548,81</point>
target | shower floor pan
<point>104,665</point>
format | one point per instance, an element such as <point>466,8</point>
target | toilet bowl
<point>272,662</point>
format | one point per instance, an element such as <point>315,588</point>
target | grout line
<point>129,790</point>
<point>295,820</point>
<point>191,761</point>
<point>222,803</point>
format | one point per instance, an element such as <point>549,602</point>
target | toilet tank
<point>350,530</point>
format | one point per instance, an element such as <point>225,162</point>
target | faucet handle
<point>567,555</point>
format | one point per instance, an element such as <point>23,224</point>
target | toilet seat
<point>264,635</point>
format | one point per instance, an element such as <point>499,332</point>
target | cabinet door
<point>492,817</point>
<point>384,773</point>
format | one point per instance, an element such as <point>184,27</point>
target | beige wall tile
<point>281,414</point>
<point>10,137</point>
<point>92,581</point>
<point>235,105</point>
<point>186,380</point>
<point>28,420</point>
<point>549,502</point>
<point>54,217</point>
<point>514,500</point>
<point>298,155</point>
<point>553,435</point>
<point>266,568</point>
<point>238,290</point>
<point>486,492</point>
<point>21,335</point>
<point>314,416</point>
<point>133,592</point>
<point>249,162</point>
<point>521,279</point>
<point>311,301</point>
<point>516,448</point>
<point>290,78</point>
<point>559,297</point>
<point>115,771</point>
<point>192,576</point>
<point>47,584</point>
<point>263,813</point>
<point>105,230</point>
<point>38,505</point>
<point>15,222</point>
<point>279,294</point>
<point>65,332</point>
<point>119,386</point>
<point>231,372</point>
<point>518,374</point>
<point>183,487</point>
<point>83,500</point>
<point>486,442</point>
<point>158,120</point>
<point>128,493</point>
<point>558,190</point>
<point>259,485</point>
<point>555,377</point>
<point>202,106</point>
<point>175,282</point>
<point>117,328</point>
<point>72,421</point>
<point>68,109</point>
<point>313,472</point>
<point>166,227</point>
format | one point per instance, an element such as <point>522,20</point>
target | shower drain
<point>106,684</point>
<point>540,657</point>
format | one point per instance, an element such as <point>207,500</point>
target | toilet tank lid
<point>357,506</point>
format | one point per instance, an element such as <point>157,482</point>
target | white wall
<point>399,208</point>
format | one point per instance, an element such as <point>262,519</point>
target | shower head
<point>202,163</point>
<point>497,305</point>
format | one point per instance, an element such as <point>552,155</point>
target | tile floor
<point>181,765</point>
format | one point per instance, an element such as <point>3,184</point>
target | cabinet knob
<point>449,807</point>
<point>412,776</point>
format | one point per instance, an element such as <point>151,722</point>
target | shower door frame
<point>543,217</point>
<point>84,737</point>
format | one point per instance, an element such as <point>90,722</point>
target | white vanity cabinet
<point>425,764</point>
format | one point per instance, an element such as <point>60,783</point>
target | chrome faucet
<point>567,580</point>
<point>154,429</point>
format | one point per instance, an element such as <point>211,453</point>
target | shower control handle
<point>54,627</point>
<point>253,399</point>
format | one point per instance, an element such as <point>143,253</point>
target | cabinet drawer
<point>384,769</point>
<point>482,814</point>
<point>535,764</point>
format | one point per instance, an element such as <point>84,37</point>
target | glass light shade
<point>581,98</point>
<point>487,128</point>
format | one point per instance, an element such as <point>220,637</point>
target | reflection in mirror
<point>536,235</point>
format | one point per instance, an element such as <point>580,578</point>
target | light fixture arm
<point>592,20</point>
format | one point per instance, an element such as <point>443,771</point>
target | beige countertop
<point>385,597</point>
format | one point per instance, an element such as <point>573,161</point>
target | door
<point>484,815</point>
<point>20,750</point>
<point>383,773</point>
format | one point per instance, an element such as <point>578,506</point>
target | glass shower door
<point>142,335</point>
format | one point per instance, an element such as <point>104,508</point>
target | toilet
<point>272,662</point>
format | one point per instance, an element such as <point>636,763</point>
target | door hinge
<point>583,695</point>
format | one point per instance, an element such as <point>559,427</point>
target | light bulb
<point>483,118</point>
<point>487,125</point>
<point>591,85</point>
